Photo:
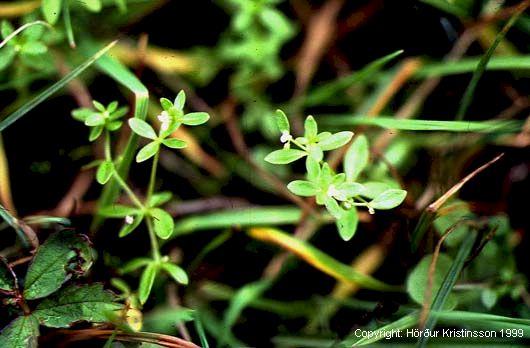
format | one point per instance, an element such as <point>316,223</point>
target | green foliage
<point>101,118</point>
<point>22,332</point>
<point>338,192</point>
<point>62,255</point>
<point>76,303</point>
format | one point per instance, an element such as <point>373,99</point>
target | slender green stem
<point>154,240</point>
<point>152,178</point>
<point>128,190</point>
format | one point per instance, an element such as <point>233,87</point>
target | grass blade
<point>447,284</point>
<point>388,122</point>
<point>322,93</point>
<point>319,259</point>
<point>481,67</point>
<point>404,323</point>
<point>15,116</point>
<point>255,216</point>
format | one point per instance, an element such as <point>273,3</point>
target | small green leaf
<point>351,189</point>
<point>51,10</point>
<point>96,119</point>
<point>104,172</point>
<point>313,168</point>
<point>114,126</point>
<point>89,303</point>
<point>82,114</point>
<point>310,128</point>
<point>334,208</point>
<point>54,261</point>
<point>316,152</point>
<point>118,211</point>
<point>373,189</point>
<point>356,158</point>
<point>22,332</point>
<point>128,228</point>
<point>113,106</point>
<point>135,264</point>
<point>282,121</point>
<point>100,107</point>
<point>6,29</point>
<point>7,54</point>
<point>148,151</point>
<point>166,104</point>
<point>180,100</point>
<point>159,198</point>
<point>347,223</point>
<point>389,199</point>
<point>142,128</point>
<point>284,156</point>
<point>195,118</point>
<point>34,48</point>
<point>174,143</point>
<point>418,279</point>
<point>95,132</point>
<point>92,5</point>
<point>303,188</point>
<point>177,273</point>
<point>335,141</point>
<point>163,223</point>
<point>146,282</point>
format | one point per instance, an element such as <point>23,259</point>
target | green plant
<point>104,120</point>
<point>44,300</point>
<point>340,193</point>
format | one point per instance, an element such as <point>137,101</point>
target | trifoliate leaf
<point>148,151</point>
<point>335,141</point>
<point>356,158</point>
<point>63,254</point>
<point>195,118</point>
<point>163,223</point>
<point>146,282</point>
<point>303,188</point>
<point>89,303</point>
<point>389,199</point>
<point>282,121</point>
<point>177,273</point>
<point>284,156</point>
<point>22,332</point>
<point>142,128</point>
<point>418,279</point>
<point>104,172</point>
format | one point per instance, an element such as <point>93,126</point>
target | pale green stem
<point>154,240</point>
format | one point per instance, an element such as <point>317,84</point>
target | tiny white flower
<point>286,137</point>
<point>129,220</point>
<point>371,210</point>
<point>165,119</point>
